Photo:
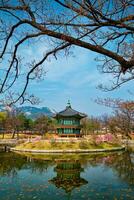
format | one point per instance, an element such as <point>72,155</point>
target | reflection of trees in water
<point>39,166</point>
<point>122,163</point>
<point>124,166</point>
<point>68,172</point>
<point>98,159</point>
<point>11,163</point>
<point>68,175</point>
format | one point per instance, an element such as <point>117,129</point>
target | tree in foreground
<point>104,27</point>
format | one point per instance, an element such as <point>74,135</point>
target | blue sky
<point>75,78</point>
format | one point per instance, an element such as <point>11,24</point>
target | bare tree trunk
<point>3,135</point>
<point>13,135</point>
<point>17,135</point>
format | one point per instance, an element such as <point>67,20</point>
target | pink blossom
<point>104,138</point>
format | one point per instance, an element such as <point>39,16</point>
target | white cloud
<point>73,78</point>
<point>68,66</point>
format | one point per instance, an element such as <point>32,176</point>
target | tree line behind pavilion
<point>121,122</point>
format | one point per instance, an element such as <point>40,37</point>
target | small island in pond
<point>66,131</point>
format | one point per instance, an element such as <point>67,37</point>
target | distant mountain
<point>32,112</point>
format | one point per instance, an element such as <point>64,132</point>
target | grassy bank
<point>52,145</point>
<point>20,135</point>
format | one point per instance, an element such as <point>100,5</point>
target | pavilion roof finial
<point>68,104</point>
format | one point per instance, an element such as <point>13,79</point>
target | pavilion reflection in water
<point>68,175</point>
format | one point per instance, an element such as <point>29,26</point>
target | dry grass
<point>52,145</point>
<point>25,136</point>
<point>21,136</point>
<point>132,136</point>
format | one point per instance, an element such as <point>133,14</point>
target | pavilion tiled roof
<point>69,112</point>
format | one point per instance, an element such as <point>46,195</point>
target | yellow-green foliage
<point>3,116</point>
<point>21,136</point>
<point>25,136</point>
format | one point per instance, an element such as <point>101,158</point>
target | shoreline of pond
<point>69,150</point>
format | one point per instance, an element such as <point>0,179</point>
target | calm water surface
<point>62,177</point>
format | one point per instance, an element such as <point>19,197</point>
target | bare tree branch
<point>103,27</point>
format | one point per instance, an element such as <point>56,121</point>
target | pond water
<point>68,176</point>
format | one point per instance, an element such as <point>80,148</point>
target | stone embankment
<point>69,150</point>
<point>128,142</point>
<point>9,144</point>
<point>6,144</point>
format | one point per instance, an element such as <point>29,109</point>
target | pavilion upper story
<point>68,121</point>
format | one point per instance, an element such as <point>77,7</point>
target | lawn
<point>52,145</point>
